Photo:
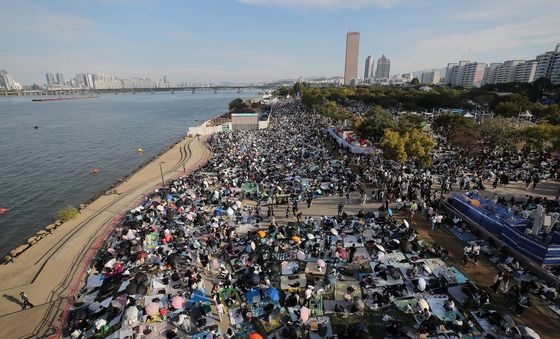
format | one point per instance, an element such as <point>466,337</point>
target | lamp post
<point>161,172</point>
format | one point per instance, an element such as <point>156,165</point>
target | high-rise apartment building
<point>554,72</point>
<point>449,73</point>
<point>506,72</point>
<point>352,55</point>
<point>490,73</point>
<point>50,79</point>
<point>383,68</point>
<point>368,69</point>
<point>60,78</point>
<point>466,74</point>
<point>472,74</point>
<point>525,72</point>
<point>431,77</point>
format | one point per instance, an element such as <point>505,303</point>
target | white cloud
<point>494,44</point>
<point>305,4</point>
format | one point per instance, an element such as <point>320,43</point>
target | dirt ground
<point>538,317</point>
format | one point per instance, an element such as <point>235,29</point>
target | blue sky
<point>249,40</point>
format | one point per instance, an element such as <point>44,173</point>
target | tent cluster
<point>205,256</point>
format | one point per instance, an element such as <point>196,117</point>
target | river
<point>44,169</point>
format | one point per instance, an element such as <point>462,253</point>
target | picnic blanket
<point>293,281</point>
<point>289,267</point>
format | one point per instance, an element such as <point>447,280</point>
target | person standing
<point>351,253</point>
<point>475,252</point>
<point>220,309</point>
<point>466,252</point>
<point>25,301</point>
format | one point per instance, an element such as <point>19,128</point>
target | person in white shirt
<point>475,252</point>
<point>220,309</point>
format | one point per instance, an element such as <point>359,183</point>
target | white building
<point>368,69</point>
<point>431,77</point>
<point>506,72</point>
<point>383,68</point>
<point>526,71</point>
<point>472,74</point>
<point>7,82</point>
<point>490,73</point>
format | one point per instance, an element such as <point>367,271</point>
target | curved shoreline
<point>47,229</point>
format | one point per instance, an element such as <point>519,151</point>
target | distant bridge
<point>84,91</point>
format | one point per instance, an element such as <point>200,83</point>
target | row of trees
<point>496,133</point>
<point>505,100</point>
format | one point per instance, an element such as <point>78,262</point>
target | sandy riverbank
<point>47,271</point>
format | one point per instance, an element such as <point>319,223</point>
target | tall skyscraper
<point>368,69</point>
<point>60,78</point>
<point>50,79</point>
<point>383,68</point>
<point>352,54</point>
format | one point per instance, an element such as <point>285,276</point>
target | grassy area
<point>67,213</point>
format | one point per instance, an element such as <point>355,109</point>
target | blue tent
<point>273,294</point>
<point>253,295</point>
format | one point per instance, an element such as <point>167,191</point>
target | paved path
<point>47,271</point>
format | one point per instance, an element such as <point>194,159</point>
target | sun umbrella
<point>300,255</point>
<point>152,308</point>
<point>229,211</point>
<point>296,239</point>
<point>160,208</point>
<point>321,263</point>
<point>262,234</point>
<point>405,223</point>
<point>334,231</point>
<point>178,301</point>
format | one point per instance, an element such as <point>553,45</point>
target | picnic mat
<point>453,276</point>
<point>465,236</point>
<point>289,267</point>
<point>314,323</point>
<point>330,304</point>
<point>313,268</point>
<point>287,283</point>
<point>342,286</point>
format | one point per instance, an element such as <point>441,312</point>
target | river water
<point>42,170</point>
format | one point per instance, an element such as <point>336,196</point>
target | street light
<point>161,171</point>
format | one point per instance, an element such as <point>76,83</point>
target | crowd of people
<point>207,255</point>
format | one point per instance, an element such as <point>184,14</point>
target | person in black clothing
<point>351,253</point>
<point>25,301</point>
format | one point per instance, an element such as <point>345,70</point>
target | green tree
<point>238,105</point>
<point>374,124</point>
<point>542,136</point>
<point>409,122</point>
<point>393,146</point>
<point>450,125</point>
<point>497,133</point>
<point>415,82</point>
<point>418,145</point>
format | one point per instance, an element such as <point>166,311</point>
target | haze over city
<point>261,40</point>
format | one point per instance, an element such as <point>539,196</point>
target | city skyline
<point>258,40</point>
